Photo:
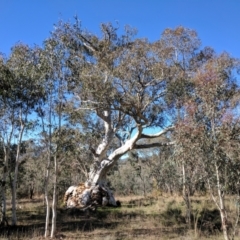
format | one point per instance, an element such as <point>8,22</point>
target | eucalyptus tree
<point>55,125</point>
<point>24,93</point>
<point>123,81</point>
<point>5,79</point>
<point>211,126</point>
<point>182,52</point>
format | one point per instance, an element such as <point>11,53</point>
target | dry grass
<point>151,218</point>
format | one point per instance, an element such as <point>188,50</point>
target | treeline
<point>81,107</point>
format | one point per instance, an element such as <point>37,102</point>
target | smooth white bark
<point>54,201</point>
<point>46,232</point>
<point>76,196</point>
<point>14,184</point>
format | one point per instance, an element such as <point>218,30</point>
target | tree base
<point>82,196</point>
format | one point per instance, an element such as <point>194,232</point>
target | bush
<point>209,221</point>
<point>172,216</point>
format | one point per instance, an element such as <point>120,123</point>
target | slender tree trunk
<point>55,181</point>
<point>186,196</point>
<point>14,195</point>
<point>220,203</point>
<point>237,216</point>
<point>222,207</point>
<point>54,202</point>
<point>5,174</point>
<point>220,191</point>
<point>224,221</point>
<point>46,234</point>
<point>49,147</point>
<point>14,183</point>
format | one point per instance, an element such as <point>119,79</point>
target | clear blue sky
<point>30,21</point>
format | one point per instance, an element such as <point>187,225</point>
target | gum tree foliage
<point>102,95</point>
<point>127,85</point>
<point>185,58</point>
<point>60,136</point>
<point>53,121</point>
<point>22,91</point>
<point>209,133</point>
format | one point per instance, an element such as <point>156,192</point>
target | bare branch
<point>88,44</point>
<point>84,108</point>
<point>151,145</point>
<point>152,81</point>
<point>157,134</point>
<point>92,102</point>
<point>128,145</point>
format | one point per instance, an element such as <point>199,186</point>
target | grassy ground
<point>138,218</point>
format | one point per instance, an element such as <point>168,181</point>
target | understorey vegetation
<point>86,117</point>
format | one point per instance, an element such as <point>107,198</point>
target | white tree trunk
<point>219,201</point>
<point>96,183</point>
<point>46,233</point>
<point>221,205</point>
<point>14,195</point>
<point>84,194</point>
<point>49,145</point>
<point>186,196</point>
<point>14,184</point>
<point>54,201</point>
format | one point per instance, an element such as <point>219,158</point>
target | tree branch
<point>128,145</point>
<point>157,134</point>
<point>88,44</point>
<point>151,145</point>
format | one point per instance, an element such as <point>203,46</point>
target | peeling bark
<point>82,196</point>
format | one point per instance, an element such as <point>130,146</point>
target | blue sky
<point>30,21</point>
